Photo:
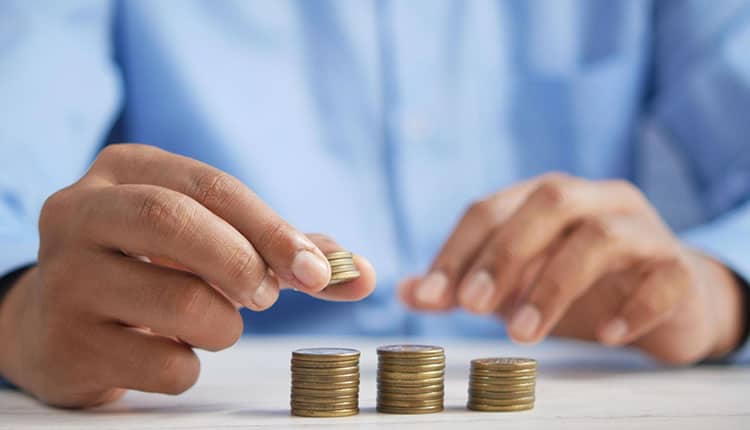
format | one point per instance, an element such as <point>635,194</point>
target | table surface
<point>579,386</point>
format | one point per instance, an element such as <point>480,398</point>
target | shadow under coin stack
<point>343,268</point>
<point>502,384</point>
<point>410,379</point>
<point>325,382</point>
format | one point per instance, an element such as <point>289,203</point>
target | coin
<point>504,363</point>
<point>502,379</point>
<point>415,410</point>
<point>501,402</point>
<point>410,350</point>
<point>502,388</point>
<point>430,395</point>
<point>386,388</point>
<point>411,375</point>
<point>325,354</point>
<point>494,408</point>
<point>340,392</point>
<point>410,382</point>
<point>325,386</point>
<point>409,404</point>
<point>328,364</point>
<point>324,406</point>
<point>338,254</point>
<point>322,414</point>
<point>348,370</point>
<point>501,395</point>
<point>388,367</point>
<point>413,361</point>
<point>330,379</point>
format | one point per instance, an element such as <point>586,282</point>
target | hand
<point>590,260</point>
<point>95,317</point>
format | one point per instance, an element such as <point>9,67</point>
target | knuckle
<point>179,371</point>
<point>481,212</point>
<point>244,264</point>
<point>274,234</point>
<point>626,189</point>
<point>597,228</point>
<point>551,193</point>
<point>216,189</point>
<point>504,254</point>
<point>169,215</point>
<point>54,209</point>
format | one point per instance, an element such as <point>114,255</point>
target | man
<point>377,123</point>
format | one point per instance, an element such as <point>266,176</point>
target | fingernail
<point>478,291</point>
<point>432,288</point>
<point>614,331</point>
<point>266,293</point>
<point>311,270</point>
<point>525,322</point>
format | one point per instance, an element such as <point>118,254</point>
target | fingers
<point>653,302</point>
<point>169,302</point>
<point>137,360</point>
<point>541,221</point>
<point>352,290</point>
<point>594,248</point>
<point>155,221</point>
<point>296,260</point>
<point>436,291</point>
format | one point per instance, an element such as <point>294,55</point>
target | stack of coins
<point>502,384</point>
<point>343,268</point>
<point>325,382</point>
<point>410,379</point>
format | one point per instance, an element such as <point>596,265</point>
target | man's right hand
<point>145,257</point>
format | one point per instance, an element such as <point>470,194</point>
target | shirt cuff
<point>726,241</point>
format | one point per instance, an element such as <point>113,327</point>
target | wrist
<point>728,302</point>
<point>11,310</point>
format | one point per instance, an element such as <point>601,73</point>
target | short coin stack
<point>410,379</point>
<point>325,382</point>
<point>502,384</point>
<point>343,268</point>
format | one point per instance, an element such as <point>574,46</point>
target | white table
<point>579,386</point>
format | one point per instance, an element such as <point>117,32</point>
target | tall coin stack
<point>410,379</point>
<point>325,382</point>
<point>343,268</point>
<point>502,384</point>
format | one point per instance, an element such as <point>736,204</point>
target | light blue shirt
<point>378,122</point>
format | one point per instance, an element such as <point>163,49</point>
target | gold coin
<point>411,375</point>
<point>417,410</point>
<point>407,404</point>
<point>492,408</point>
<point>340,279</point>
<point>338,254</point>
<point>411,389</point>
<point>323,406</point>
<point>325,385</point>
<point>504,363</point>
<point>324,400</point>
<point>504,373</point>
<point>335,274</point>
<point>501,388</point>
<point>388,367</point>
<point>321,414</point>
<point>430,395</point>
<point>349,274</point>
<point>500,396</point>
<point>349,370</point>
<point>409,382</point>
<point>411,361</point>
<point>340,392</point>
<point>325,354</point>
<point>341,263</point>
<point>325,379</point>
<point>500,402</point>
<point>502,379</point>
<point>328,364</point>
<point>410,351</point>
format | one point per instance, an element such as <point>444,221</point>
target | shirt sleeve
<point>60,93</point>
<point>701,104</point>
